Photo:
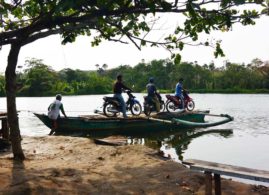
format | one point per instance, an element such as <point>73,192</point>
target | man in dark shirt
<point>117,89</point>
<point>152,90</point>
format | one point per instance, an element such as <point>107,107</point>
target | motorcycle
<point>149,105</point>
<point>112,106</point>
<point>173,103</point>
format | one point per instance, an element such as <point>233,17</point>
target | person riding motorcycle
<point>118,87</point>
<point>152,93</point>
<point>178,92</point>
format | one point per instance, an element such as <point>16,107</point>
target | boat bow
<point>227,118</point>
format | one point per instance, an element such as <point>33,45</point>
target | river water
<point>247,146</point>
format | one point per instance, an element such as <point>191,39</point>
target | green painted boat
<point>98,123</point>
<point>226,118</point>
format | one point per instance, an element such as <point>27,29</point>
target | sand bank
<point>71,165</point>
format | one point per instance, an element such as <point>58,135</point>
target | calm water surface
<point>248,145</point>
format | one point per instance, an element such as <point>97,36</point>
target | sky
<point>241,45</point>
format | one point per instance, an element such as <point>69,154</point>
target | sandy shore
<point>70,165</point>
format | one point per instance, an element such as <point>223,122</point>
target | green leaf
<point>181,45</point>
<point>218,51</point>
<point>177,59</point>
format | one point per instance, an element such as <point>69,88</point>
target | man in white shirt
<point>54,112</point>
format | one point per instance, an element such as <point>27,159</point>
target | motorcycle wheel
<point>162,107</point>
<point>147,110</point>
<point>107,107</point>
<point>190,105</point>
<point>170,106</point>
<point>136,109</point>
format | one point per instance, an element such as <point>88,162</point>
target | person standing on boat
<point>54,112</point>
<point>178,93</point>
<point>152,93</point>
<point>118,87</point>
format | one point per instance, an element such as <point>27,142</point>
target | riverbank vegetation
<point>38,79</point>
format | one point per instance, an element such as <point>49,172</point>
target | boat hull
<point>93,124</point>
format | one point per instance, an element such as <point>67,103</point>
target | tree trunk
<point>11,101</point>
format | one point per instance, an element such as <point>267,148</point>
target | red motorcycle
<point>173,103</point>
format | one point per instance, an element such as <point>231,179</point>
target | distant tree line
<point>38,79</point>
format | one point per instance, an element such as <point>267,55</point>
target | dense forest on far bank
<point>38,79</point>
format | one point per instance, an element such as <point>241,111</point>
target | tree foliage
<point>39,79</point>
<point>25,21</point>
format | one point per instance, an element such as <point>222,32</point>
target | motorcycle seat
<point>172,97</point>
<point>110,98</point>
<point>168,96</point>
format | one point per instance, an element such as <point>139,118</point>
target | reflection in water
<point>181,141</point>
<point>178,141</point>
<point>173,139</point>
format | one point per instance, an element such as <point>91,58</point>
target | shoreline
<point>75,165</point>
<point>164,91</point>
